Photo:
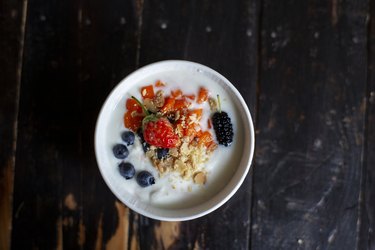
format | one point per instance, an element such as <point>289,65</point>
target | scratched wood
<point>221,35</point>
<point>366,236</point>
<point>307,177</point>
<point>11,33</point>
<point>109,50</point>
<point>312,186</point>
<point>75,53</point>
<point>48,145</point>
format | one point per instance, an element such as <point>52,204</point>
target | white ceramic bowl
<point>110,122</point>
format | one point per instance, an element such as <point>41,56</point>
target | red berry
<point>160,133</point>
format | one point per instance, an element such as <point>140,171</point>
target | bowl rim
<point>233,187</point>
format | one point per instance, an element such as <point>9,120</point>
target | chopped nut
<point>188,158</point>
<point>161,169</point>
<point>168,163</point>
<point>184,149</point>
<point>179,164</point>
<point>213,104</point>
<point>150,153</point>
<point>159,99</point>
<point>149,104</point>
<point>173,152</point>
<point>177,115</point>
<point>200,178</point>
<point>185,174</point>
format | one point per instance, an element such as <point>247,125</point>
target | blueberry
<point>162,153</point>
<point>145,145</point>
<point>128,137</point>
<point>145,179</point>
<point>140,132</point>
<point>120,151</point>
<point>127,170</point>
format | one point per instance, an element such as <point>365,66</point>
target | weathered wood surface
<point>12,16</point>
<point>308,173</point>
<point>84,49</point>
<point>75,52</point>
<point>312,97</point>
<point>367,236</point>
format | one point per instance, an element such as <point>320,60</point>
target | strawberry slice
<point>158,132</point>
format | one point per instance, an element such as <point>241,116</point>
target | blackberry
<point>223,126</point>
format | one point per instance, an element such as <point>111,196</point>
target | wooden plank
<point>109,47</point>
<point>48,142</point>
<point>366,236</point>
<point>75,53</point>
<point>221,35</point>
<point>311,124</point>
<point>12,16</point>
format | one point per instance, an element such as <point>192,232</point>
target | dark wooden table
<point>305,68</point>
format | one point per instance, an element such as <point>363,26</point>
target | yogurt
<point>170,190</point>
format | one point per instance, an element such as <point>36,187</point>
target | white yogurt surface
<point>170,190</point>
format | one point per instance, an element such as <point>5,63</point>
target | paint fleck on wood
<point>81,233</point>
<point>99,234</point>
<point>166,234</point>
<point>120,240</point>
<point>70,202</point>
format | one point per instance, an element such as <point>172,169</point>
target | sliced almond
<point>200,178</point>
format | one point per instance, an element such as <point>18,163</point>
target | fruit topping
<point>128,137</point>
<point>120,151</point>
<point>147,91</point>
<point>127,170</point>
<point>174,129</point>
<point>145,179</point>
<point>202,95</point>
<point>223,126</point>
<point>145,145</point>
<point>158,131</point>
<point>133,120</point>
<point>162,153</point>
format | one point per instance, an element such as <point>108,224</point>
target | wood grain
<point>305,69</point>
<point>109,36</point>
<point>307,177</point>
<point>75,53</point>
<point>366,236</point>
<point>69,200</point>
<point>12,24</point>
<point>47,145</point>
